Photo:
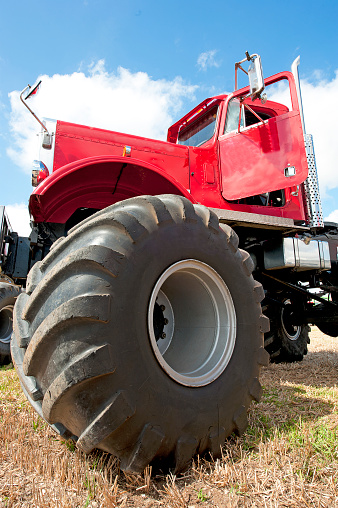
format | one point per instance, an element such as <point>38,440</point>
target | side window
<point>232,118</point>
<point>248,118</point>
<point>199,131</point>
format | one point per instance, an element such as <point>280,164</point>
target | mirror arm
<point>238,66</point>
<point>253,112</point>
<point>29,109</point>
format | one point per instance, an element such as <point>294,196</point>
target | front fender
<point>97,182</point>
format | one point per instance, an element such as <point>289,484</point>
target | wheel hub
<point>291,331</point>
<point>192,323</point>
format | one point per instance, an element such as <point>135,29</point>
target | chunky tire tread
<point>117,411</point>
<point>274,356</point>
<point>247,262</point>
<point>241,421</point>
<point>209,218</point>
<point>263,357</point>
<point>145,450</point>
<point>150,211</point>
<point>100,359</point>
<point>233,238</point>
<point>185,449</point>
<point>264,323</point>
<point>180,209</point>
<point>56,243</point>
<point>85,234</point>
<point>33,278</point>
<point>256,390</point>
<point>216,439</point>
<point>259,292</point>
<point>95,372</point>
<point>91,258</point>
<point>22,331</point>
<point>268,341</point>
<point>94,308</point>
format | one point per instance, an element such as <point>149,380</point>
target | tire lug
<point>163,335</point>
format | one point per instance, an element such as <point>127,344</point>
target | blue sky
<point>167,57</point>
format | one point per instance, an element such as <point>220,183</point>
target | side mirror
<point>255,74</point>
<point>256,80</point>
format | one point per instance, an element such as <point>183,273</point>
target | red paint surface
<point>90,171</point>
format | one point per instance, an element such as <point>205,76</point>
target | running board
<point>255,220</point>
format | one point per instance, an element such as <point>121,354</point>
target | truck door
<point>257,157</point>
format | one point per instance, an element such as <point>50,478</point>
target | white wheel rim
<point>291,331</point>
<point>6,324</point>
<point>200,332</point>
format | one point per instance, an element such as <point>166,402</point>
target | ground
<point>287,458</point>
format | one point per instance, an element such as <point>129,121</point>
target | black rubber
<point>330,329</point>
<point>8,295</point>
<point>81,344</point>
<point>278,342</point>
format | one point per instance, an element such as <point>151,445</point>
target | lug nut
<point>166,321</point>
<point>164,335</point>
<point>162,307</point>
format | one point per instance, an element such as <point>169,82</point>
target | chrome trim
<point>294,70</point>
<point>313,208</point>
<point>313,205</point>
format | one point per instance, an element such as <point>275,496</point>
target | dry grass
<point>287,458</point>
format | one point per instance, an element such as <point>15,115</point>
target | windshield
<point>199,131</point>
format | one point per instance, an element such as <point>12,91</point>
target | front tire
<point>141,333</point>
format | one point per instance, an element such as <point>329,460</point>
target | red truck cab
<point>229,153</point>
<point>253,164</point>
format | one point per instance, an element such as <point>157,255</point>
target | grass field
<point>287,458</point>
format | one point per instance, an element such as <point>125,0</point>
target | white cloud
<point>332,217</point>
<point>207,59</point>
<point>122,101</point>
<point>321,113</point>
<point>19,218</point>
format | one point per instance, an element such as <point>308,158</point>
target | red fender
<point>97,182</point>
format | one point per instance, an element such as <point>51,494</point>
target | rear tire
<point>8,295</point>
<point>285,342</point>
<point>141,333</point>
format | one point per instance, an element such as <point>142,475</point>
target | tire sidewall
<point>152,386</point>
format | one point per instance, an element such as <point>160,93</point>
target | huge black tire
<point>141,333</point>
<point>285,342</point>
<point>8,295</point>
